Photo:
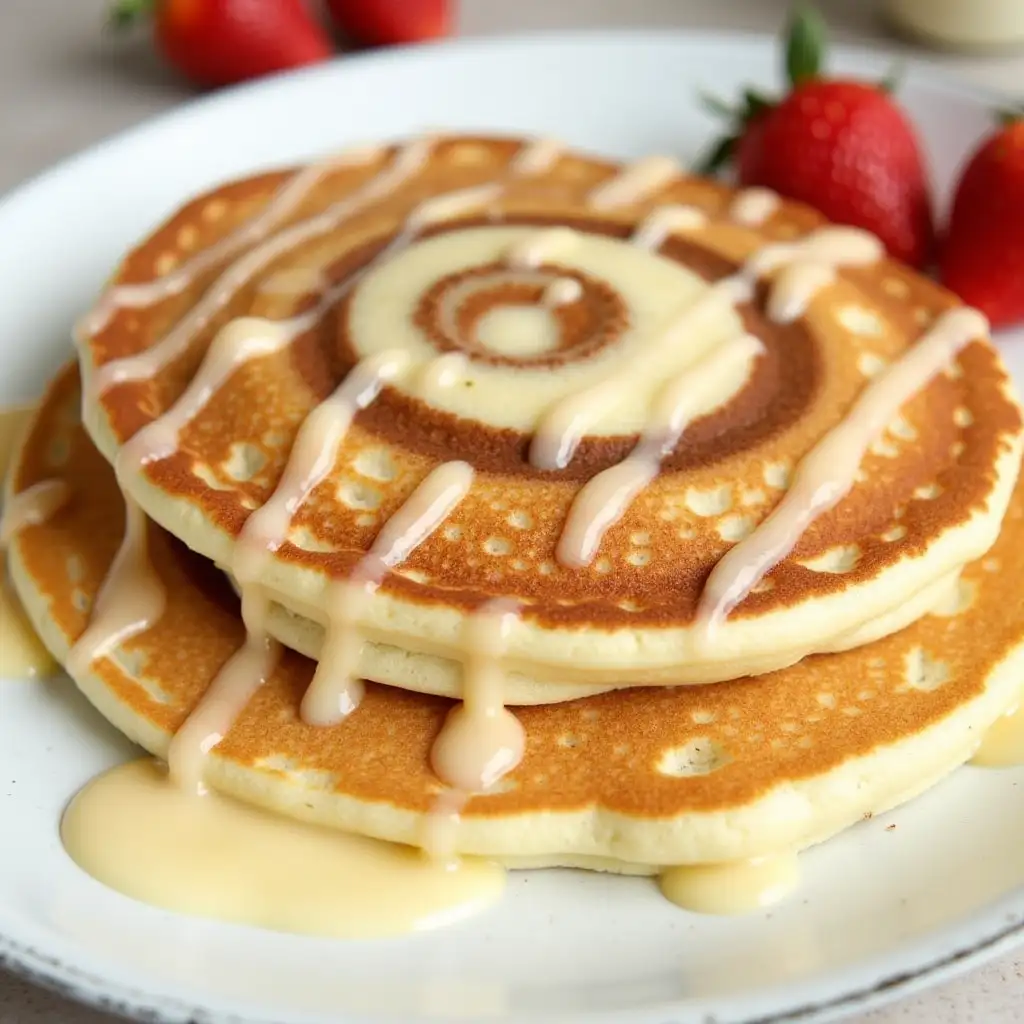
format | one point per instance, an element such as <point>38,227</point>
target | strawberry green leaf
<point>892,80</point>
<point>1010,115</point>
<point>126,13</point>
<point>717,106</point>
<point>805,45</point>
<point>756,104</point>
<point>718,156</point>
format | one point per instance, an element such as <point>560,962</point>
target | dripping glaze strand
<point>22,653</point>
<point>31,507</point>
<point>285,202</point>
<point>312,458</point>
<point>130,601</point>
<point>481,740</point>
<point>826,473</point>
<point>408,160</point>
<point>336,689</point>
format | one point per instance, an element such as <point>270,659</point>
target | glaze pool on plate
<point>879,903</point>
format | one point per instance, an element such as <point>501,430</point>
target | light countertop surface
<point>63,87</point>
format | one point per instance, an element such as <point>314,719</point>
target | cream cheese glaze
<point>1002,746</point>
<point>665,221</point>
<point>563,426</point>
<point>603,499</point>
<point>482,740</point>
<point>636,182</point>
<point>406,163</point>
<point>22,654</point>
<point>140,834</point>
<point>544,246</point>
<point>753,206</point>
<point>335,689</point>
<point>739,888</point>
<point>253,231</point>
<point>32,506</point>
<point>826,474</point>
<point>131,600</point>
<point>561,292</point>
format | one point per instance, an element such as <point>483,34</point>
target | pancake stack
<point>481,495</point>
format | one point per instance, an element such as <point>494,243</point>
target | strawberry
<point>982,256</point>
<point>219,42</point>
<point>383,22</point>
<point>839,145</point>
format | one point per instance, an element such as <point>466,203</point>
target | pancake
<point>595,381</point>
<point>629,781</point>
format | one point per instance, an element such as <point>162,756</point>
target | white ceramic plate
<point>881,909</point>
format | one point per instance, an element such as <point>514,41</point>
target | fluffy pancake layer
<point>628,781</point>
<point>437,283</point>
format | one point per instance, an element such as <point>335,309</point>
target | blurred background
<point>66,82</point>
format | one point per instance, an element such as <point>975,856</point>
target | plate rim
<point>922,67</point>
<point>90,989</point>
<point>995,928</point>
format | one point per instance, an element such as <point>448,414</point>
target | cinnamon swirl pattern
<point>495,421</point>
<point>646,374</point>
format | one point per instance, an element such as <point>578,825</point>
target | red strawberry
<point>750,150</point>
<point>383,22</point>
<point>842,146</point>
<point>983,253</point>
<point>218,42</point>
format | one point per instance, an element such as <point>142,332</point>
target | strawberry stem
<point>892,80</point>
<point>1010,116</point>
<point>718,156</point>
<point>753,105</point>
<point>805,44</point>
<point>126,13</point>
<point>805,50</point>
<point>756,104</point>
<point>716,105</point>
